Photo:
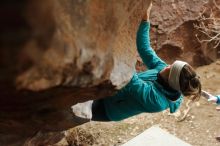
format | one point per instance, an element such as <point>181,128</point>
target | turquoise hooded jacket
<point>218,99</point>
<point>143,93</point>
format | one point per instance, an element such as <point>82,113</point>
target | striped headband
<point>174,75</point>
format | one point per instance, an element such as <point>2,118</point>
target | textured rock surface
<point>80,43</point>
<point>174,32</point>
<point>57,53</point>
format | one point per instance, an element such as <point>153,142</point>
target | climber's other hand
<point>213,99</point>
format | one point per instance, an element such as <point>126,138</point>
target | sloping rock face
<point>55,54</point>
<point>76,41</point>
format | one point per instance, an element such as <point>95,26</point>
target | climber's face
<point>165,72</point>
<point>167,69</point>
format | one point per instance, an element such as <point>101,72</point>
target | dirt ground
<point>199,128</point>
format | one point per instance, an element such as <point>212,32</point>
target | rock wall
<point>174,33</point>
<point>61,53</point>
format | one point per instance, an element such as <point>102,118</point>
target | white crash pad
<point>156,136</point>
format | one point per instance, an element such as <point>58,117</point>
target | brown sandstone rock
<point>61,53</point>
<point>174,33</point>
<point>80,43</point>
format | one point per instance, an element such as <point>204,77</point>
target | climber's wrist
<point>146,17</point>
<point>218,99</point>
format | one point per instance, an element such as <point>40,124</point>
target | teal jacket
<point>218,99</point>
<point>143,93</point>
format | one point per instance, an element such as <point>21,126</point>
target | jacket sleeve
<point>148,55</point>
<point>146,95</point>
<point>175,105</point>
<point>218,99</point>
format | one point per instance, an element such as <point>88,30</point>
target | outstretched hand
<point>146,15</point>
<point>209,96</point>
<point>212,98</point>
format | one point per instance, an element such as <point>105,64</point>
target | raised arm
<point>148,55</point>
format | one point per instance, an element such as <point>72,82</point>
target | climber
<point>161,87</point>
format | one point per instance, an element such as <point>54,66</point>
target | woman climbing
<point>161,87</point>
